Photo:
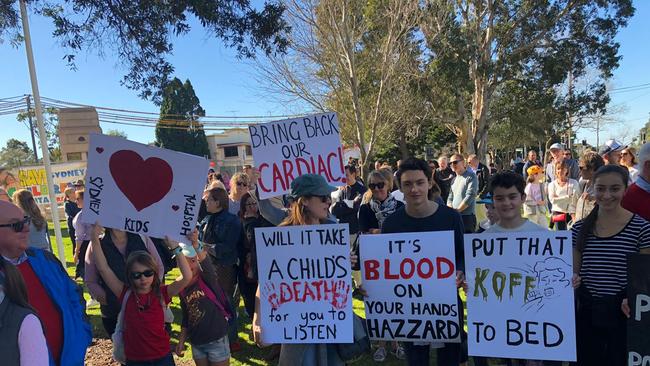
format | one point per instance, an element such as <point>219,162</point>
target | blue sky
<point>227,86</point>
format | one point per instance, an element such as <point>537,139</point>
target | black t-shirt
<point>204,321</point>
<point>444,219</point>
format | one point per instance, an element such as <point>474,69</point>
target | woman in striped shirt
<point>602,242</point>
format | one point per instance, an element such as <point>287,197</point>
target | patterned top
<point>604,260</point>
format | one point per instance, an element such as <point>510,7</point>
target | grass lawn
<point>250,354</point>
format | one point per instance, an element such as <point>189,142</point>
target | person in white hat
<point>558,153</point>
<point>611,152</point>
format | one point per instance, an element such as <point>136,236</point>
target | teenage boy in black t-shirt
<point>420,214</point>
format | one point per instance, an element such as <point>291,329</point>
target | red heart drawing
<point>99,149</point>
<point>175,207</point>
<point>143,182</point>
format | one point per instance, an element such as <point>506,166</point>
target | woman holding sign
<point>311,195</point>
<point>601,243</point>
<point>239,184</point>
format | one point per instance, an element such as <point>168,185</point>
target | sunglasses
<point>251,204</point>
<point>20,225</point>
<point>455,162</point>
<point>379,185</point>
<point>242,184</point>
<point>625,153</point>
<point>137,275</point>
<point>323,198</point>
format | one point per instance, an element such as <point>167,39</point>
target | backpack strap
<point>211,295</point>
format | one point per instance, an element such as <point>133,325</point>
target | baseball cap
<point>609,146</point>
<point>188,250</point>
<point>310,185</point>
<point>557,146</point>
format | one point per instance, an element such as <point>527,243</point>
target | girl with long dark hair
<point>601,243</point>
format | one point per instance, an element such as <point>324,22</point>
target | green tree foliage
<point>51,125</point>
<point>140,32</point>
<point>16,153</point>
<point>116,133</point>
<point>478,45</point>
<point>178,128</point>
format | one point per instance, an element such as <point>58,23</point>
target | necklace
<point>141,307</point>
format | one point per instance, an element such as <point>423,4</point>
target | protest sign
<point>410,279</point>
<point>638,295</point>
<point>34,180</point>
<point>284,150</point>
<point>520,295</point>
<point>304,280</point>
<point>142,189</point>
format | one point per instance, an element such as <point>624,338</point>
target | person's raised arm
<point>104,269</point>
<point>186,273</point>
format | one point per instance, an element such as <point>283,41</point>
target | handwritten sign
<point>142,189</point>
<point>411,283</point>
<point>304,279</point>
<point>638,295</point>
<point>520,295</point>
<point>284,150</point>
<point>34,180</point>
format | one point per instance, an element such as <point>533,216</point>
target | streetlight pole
<point>54,208</point>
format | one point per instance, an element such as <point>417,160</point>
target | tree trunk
<point>403,147</point>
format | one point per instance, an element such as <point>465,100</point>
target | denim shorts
<point>215,351</point>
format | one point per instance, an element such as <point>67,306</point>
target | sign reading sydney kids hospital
<point>520,295</point>
<point>305,284</point>
<point>410,280</point>
<point>142,189</point>
<point>284,150</point>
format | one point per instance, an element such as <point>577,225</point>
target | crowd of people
<point>603,197</point>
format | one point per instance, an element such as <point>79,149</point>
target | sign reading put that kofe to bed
<point>305,284</point>
<point>520,295</point>
<point>410,280</point>
<point>142,189</point>
<point>284,150</point>
<point>638,297</point>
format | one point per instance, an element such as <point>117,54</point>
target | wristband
<point>176,251</point>
<point>199,248</point>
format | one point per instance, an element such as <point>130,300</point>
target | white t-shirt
<point>526,226</point>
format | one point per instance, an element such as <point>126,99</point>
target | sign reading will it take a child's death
<point>285,150</point>
<point>142,189</point>
<point>305,284</point>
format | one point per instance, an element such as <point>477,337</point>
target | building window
<point>249,150</point>
<point>230,151</point>
<point>74,156</point>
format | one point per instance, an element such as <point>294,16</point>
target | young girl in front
<point>146,341</point>
<point>206,311</point>
<point>535,206</point>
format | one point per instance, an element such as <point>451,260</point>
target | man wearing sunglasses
<point>464,189</point>
<point>55,297</point>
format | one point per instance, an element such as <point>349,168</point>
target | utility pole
<point>54,207</point>
<point>31,126</point>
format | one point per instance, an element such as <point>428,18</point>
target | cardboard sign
<point>305,284</point>
<point>34,180</point>
<point>285,150</point>
<point>142,189</point>
<point>638,297</point>
<point>520,295</point>
<point>410,279</point>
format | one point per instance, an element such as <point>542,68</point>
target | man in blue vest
<point>55,297</point>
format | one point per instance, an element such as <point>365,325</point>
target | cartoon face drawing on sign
<point>552,276</point>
